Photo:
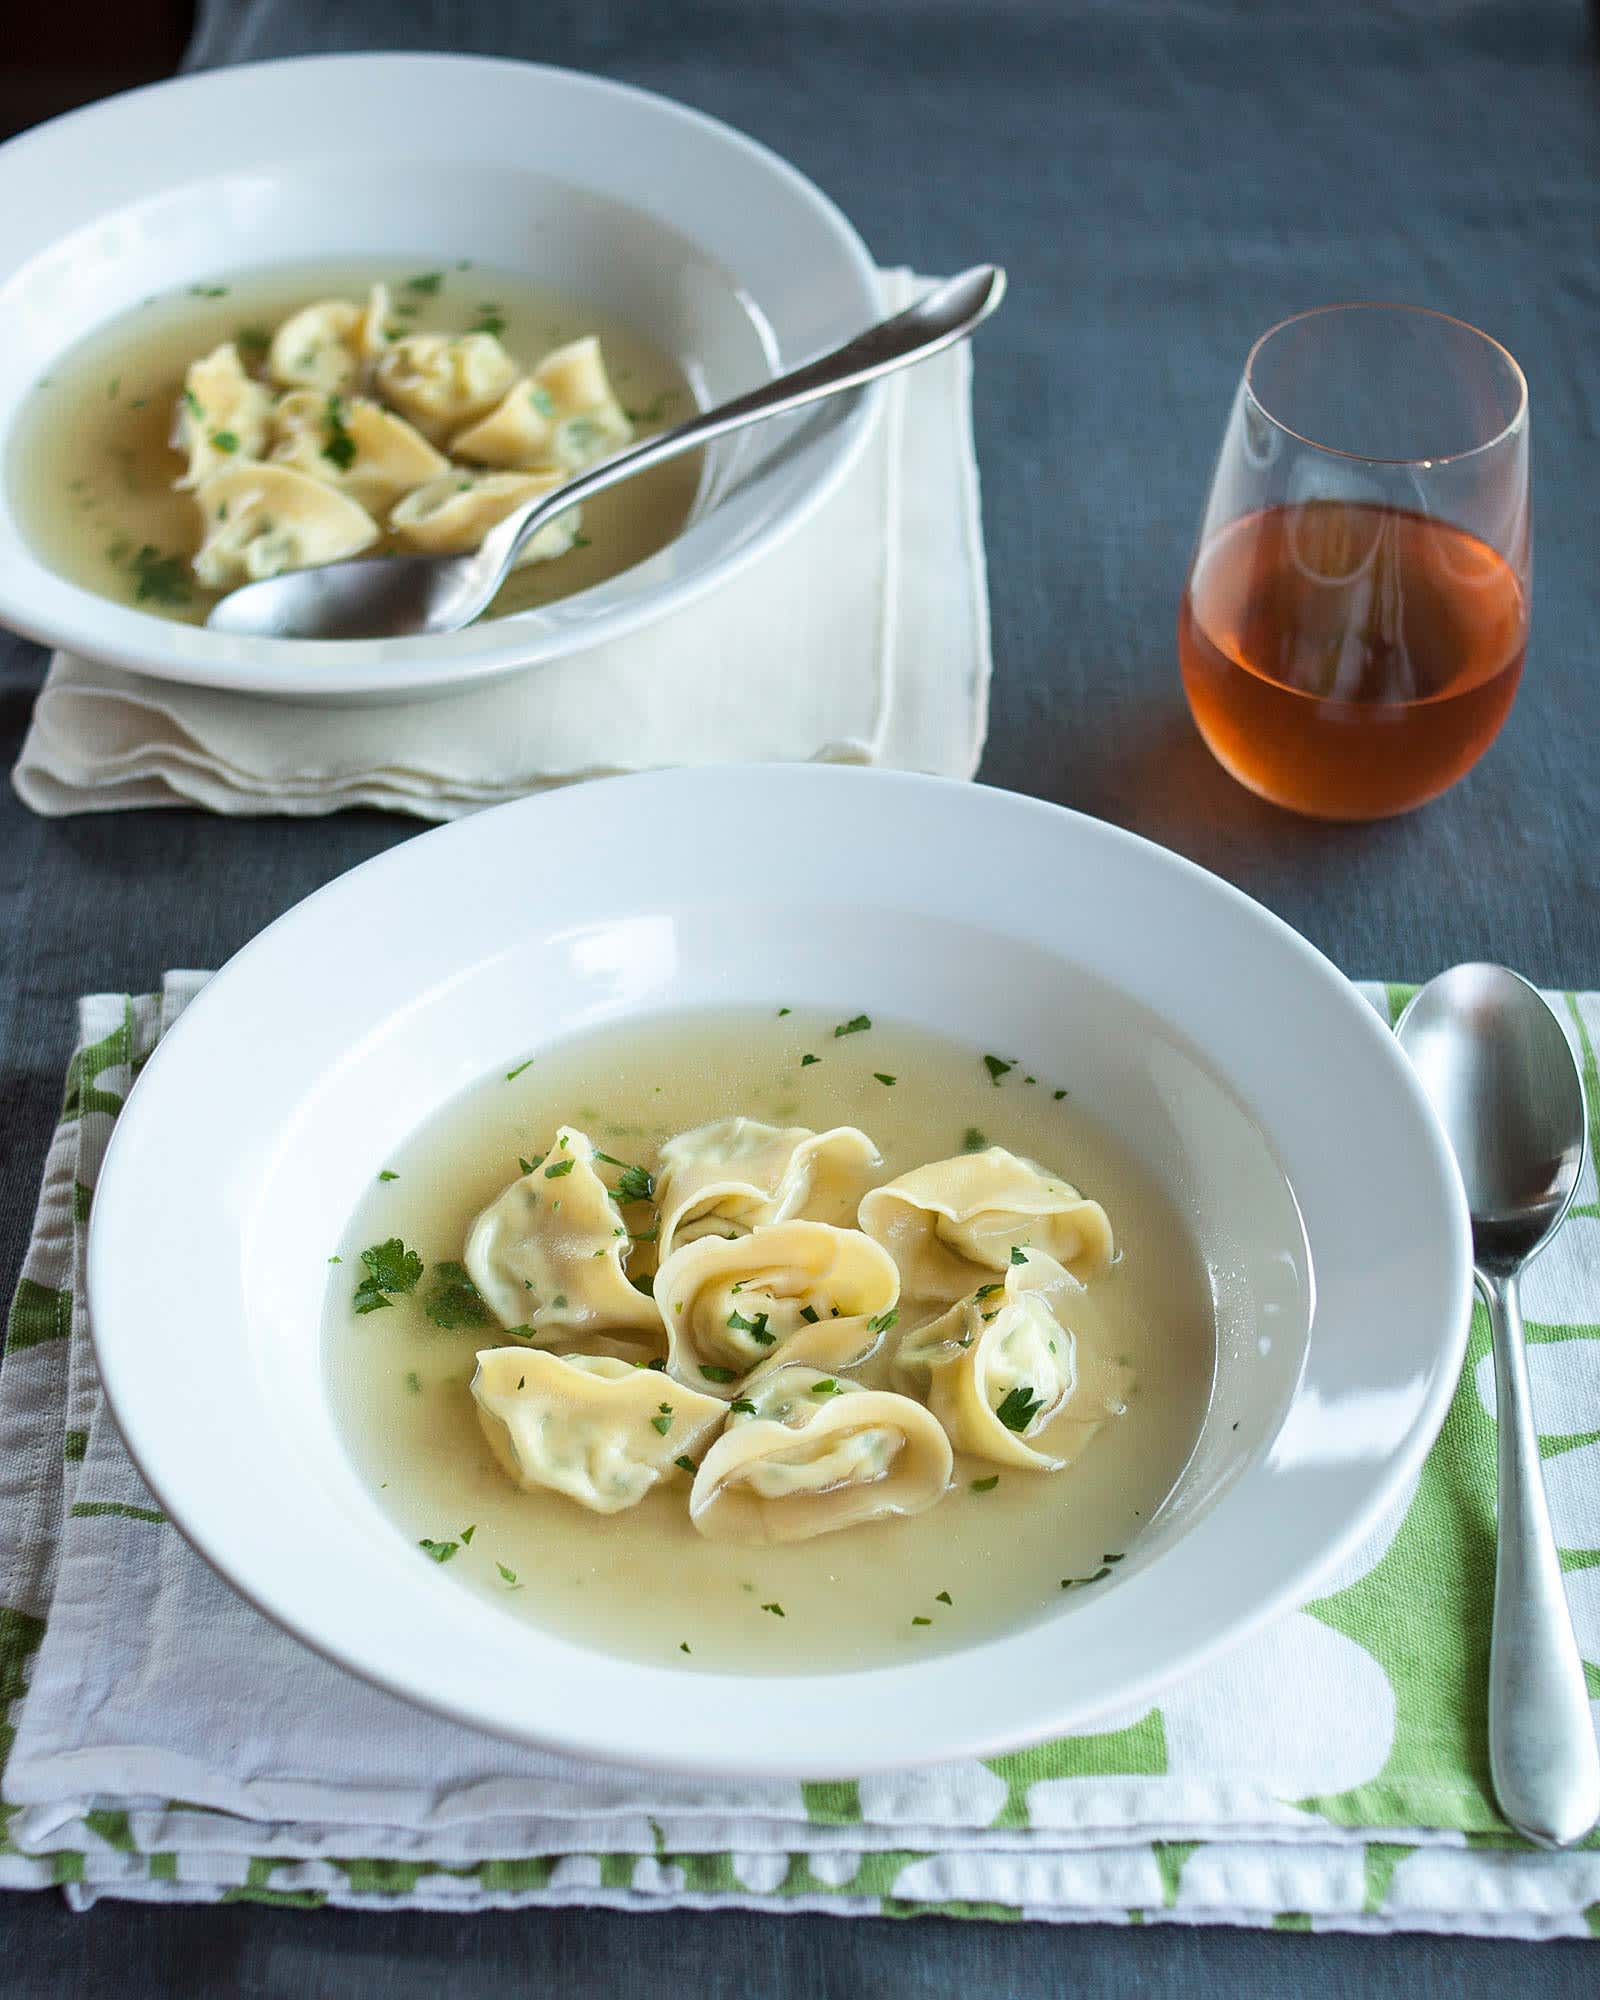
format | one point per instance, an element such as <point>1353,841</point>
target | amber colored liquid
<point>1348,660</point>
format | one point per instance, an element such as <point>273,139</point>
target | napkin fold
<point>159,1740</point>
<point>861,638</point>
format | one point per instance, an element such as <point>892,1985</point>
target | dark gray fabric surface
<point>1163,180</point>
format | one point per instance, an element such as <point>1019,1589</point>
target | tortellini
<point>353,444</point>
<point>550,1255</point>
<point>728,1306</point>
<point>441,381</point>
<point>263,519</point>
<point>807,1454</point>
<point>330,345</point>
<point>564,411</point>
<point>953,1223</point>
<point>1005,1366</point>
<point>726,1178</point>
<point>222,414</point>
<point>600,1430</point>
<point>450,516</point>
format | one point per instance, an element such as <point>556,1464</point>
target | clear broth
<point>91,467</point>
<point>644,1583</point>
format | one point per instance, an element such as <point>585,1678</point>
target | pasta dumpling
<point>730,1305</point>
<point>222,414</point>
<point>328,345</point>
<point>550,1254</point>
<point>600,1430</point>
<point>354,445</point>
<point>565,411</point>
<point>732,1176</point>
<point>260,520</point>
<point>1001,1367</point>
<point>451,515</point>
<point>806,1454</point>
<point>952,1223</point>
<point>441,381</point>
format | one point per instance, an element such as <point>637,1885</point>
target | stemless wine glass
<point>1355,615</point>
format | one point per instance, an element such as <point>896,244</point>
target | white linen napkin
<point>160,1740</point>
<point>862,638</point>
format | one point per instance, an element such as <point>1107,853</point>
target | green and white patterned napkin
<point>159,1740</point>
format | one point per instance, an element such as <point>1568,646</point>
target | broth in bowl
<point>771,1342</point>
<point>280,418</point>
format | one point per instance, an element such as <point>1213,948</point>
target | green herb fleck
<point>413,1379</point>
<point>826,1387</point>
<point>986,1485</point>
<point>988,1291</point>
<point>881,1322</point>
<point>513,1074</point>
<point>655,411</point>
<point>662,1424</point>
<point>713,1373</point>
<point>253,342</point>
<point>742,1406</point>
<point>776,1609</point>
<point>225,440</point>
<point>807,1061</point>
<point>440,1551</point>
<point>810,1315</point>
<point>508,1577</point>
<point>857,1025</point>
<point>784,1010</point>
<point>922,1621</point>
<point>557,1168</point>
<point>686,1464</point>
<point>945,1597</point>
<point>997,1068</point>
<point>882,1077</point>
<point>489,320</point>
<point>974,1141</point>
<point>634,1184</point>
<point>208,291</point>
<point>542,401</point>
<point>191,402</point>
<point>453,1299</point>
<point>112,387</point>
<point>683,1645</point>
<point>1019,1407</point>
<point>160,579</point>
<point>756,1328</point>
<point>387,1174</point>
<point>1058,1095</point>
<point>1018,1254</point>
<point>559,1302</point>
<point>426,282</point>
<point>468,1533</point>
<point>338,446</point>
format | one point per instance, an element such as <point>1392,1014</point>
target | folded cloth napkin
<point>863,638</point>
<point>160,1740</point>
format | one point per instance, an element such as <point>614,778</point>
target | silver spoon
<point>392,597</point>
<point>1493,1059</point>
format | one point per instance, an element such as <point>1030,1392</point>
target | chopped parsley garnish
<point>988,1291</point>
<point>973,1141</point>
<point>855,1026</point>
<point>986,1485</point>
<point>756,1328</point>
<point>557,1168</point>
<point>391,1267</point>
<point>686,1464</point>
<point>826,1387</point>
<point>634,1184</point>
<point>387,1174</point>
<point>1077,1582</point>
<point>807,1061</point>
<point>922,1621</point>
<point>660,1364</point>
<point>776,1609</point>
<point>655,412</point>
<point>1018,1254</point>
<point>810,1315</point>
<point>335,1260</point>
<point>523,1332</point>
<point>513,1074</point>
<point>489,321</point>
<point>508,1577</point>
<point>468,1533</point>
<point>1019,1407</point>
<point>683,1645</point>
<point>160,579</point>
<point>784,1010</point>
<point>527,1166</point>
<point>882,1076</point>
<point>742,1406</point>
<point>252,343</point>
<point>542,401</point>
<point>426,282</point>
<point>338,446</point>
<point>225,440</point>
<point>997,1068</point>
<point>559,1302</point>
<point>440,1551</point>
<point>208,291</point>
<point>453,1300</point>
<point>644,1235</point>
<point>713,1373</point>
<point>881,1322</point>
<point>191,403</point>
<point>1058,1095</point>
<point>663,1423</point>
<point>945,1597</point>
<point>413,1379</point>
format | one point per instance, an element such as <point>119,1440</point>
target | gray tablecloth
<point>1163,178</point>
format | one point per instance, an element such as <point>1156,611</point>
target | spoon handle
<point>943,316</point>
<point>1542,1754</point>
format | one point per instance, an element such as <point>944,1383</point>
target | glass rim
<point>1513,424</point>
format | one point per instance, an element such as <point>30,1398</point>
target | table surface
<point>1163,178</point>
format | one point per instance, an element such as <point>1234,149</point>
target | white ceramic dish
<point>1226,1050</point>
<point>706,242</point>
